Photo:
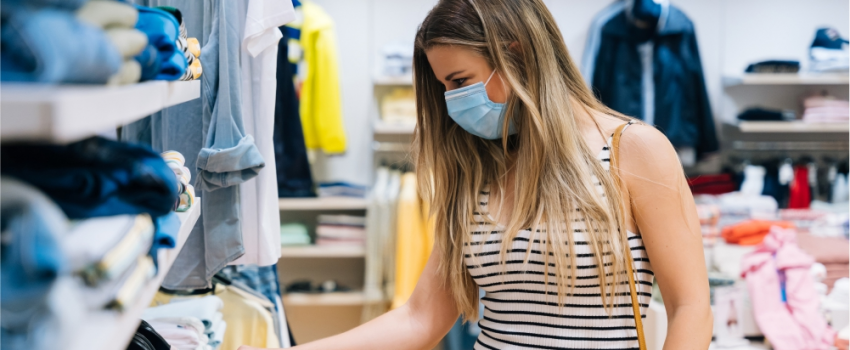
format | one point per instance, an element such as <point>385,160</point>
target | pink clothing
<point>795,324</point>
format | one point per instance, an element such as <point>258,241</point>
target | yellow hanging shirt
<point>321,102</point>
<point>415,239</point>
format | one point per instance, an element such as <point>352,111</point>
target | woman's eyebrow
<point>451,75</point>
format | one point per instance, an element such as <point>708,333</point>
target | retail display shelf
<point>113,330</point>
<point>787,79</point>
<point>793,127</point>
<point>312,251</point>
<point>329,299</point>
<point>383,128</point>
<point>65,113</point>
<point>323,203</point>
<point>403,80</point>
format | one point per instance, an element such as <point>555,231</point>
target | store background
<point>731,34</point>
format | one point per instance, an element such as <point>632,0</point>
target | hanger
<point>645,14</point>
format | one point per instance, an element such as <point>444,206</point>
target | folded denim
<point>32,227</point>
<point>68,5</point>
<point>163,31</point>
<point>53,46</point>
<point>95,177</point>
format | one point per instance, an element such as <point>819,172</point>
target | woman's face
<point>457,66</point>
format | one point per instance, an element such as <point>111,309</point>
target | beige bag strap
<point>615,172</point>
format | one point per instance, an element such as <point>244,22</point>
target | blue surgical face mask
<point>471,108</point>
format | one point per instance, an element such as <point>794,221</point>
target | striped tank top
<point>521,310</point>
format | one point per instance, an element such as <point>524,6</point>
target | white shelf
<point>65,113</point>
<point>113,330</point>
<point>787,79</point>
<point>793,127</point>
<point>323,203</point>
<point>329,299</point>
<point>405,80</point>
<point>313,251</point>
<point>382,128</point>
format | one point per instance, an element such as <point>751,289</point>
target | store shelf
<point>323,203</point>
<point>329,299</point>
<point>312,251</point>
<point>793,127</point>
<point>65,113</point>
<point>787,79</point>
<point>382,128</point>
<point>405,80</point>
<point>113,330</point>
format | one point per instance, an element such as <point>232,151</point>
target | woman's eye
<point>460,82</point>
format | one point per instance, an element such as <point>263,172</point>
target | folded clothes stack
<point>826,109</point>
<point>118,21</point>
<point>751,232</point>
<point>121,197</point>
<point>177,162</point>
<point>193,324</point>
<point>341,230</point>
<point>89,42</point>
<point>342,189</point>
<point>190,47</point>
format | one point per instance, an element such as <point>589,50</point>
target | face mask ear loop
<point>491,77</point>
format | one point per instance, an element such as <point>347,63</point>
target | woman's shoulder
<point>646,153</point>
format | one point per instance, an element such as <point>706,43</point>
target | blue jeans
<point>52,46</point>
<point>31,259</point>
<point>95,177</point>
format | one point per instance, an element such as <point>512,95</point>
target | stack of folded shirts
<point>709,215</point>
<point>110,254</point>
<point>334,230</point>
<point>191,324</point>
<point>177,162</point>
<point>342,189</point>
<point>826,109</point>
<point>751,232</point>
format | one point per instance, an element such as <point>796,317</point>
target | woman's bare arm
<point>664,211</point>
<point>419,324</point>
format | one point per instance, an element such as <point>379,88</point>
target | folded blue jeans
<point>32,227</point>
<point>95,177</point>
<point>52,46</point>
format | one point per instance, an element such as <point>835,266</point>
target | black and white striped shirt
<point>521,310</point>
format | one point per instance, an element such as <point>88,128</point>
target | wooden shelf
<point>323,203</point>
<point>382,128</point>
<point>787,79</point>
<point>113,330</point>
<point>406,80</point>
<point>312,251</point>
<point>66,113</point>
<point>793,127</point>
<point>329,299</point>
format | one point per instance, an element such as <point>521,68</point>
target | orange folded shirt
<point>751,232</point>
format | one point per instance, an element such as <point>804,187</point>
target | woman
<point>512,154</point>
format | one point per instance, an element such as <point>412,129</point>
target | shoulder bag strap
<point>615,171</point>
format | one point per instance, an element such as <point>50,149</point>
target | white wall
<point>731,34</point>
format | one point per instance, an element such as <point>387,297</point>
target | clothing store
<point>310,179</point>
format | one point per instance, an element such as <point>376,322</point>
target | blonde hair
<point>555,169</point>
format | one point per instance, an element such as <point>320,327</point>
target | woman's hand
<point>419,324</point>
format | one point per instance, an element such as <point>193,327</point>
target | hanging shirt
<point>321,102</point>
<point>415,240</point>
<point>259,204</point>
<point>209,132</point>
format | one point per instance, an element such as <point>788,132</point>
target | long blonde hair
<point>555,169</point>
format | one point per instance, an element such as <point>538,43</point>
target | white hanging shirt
<point>259,202</point>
